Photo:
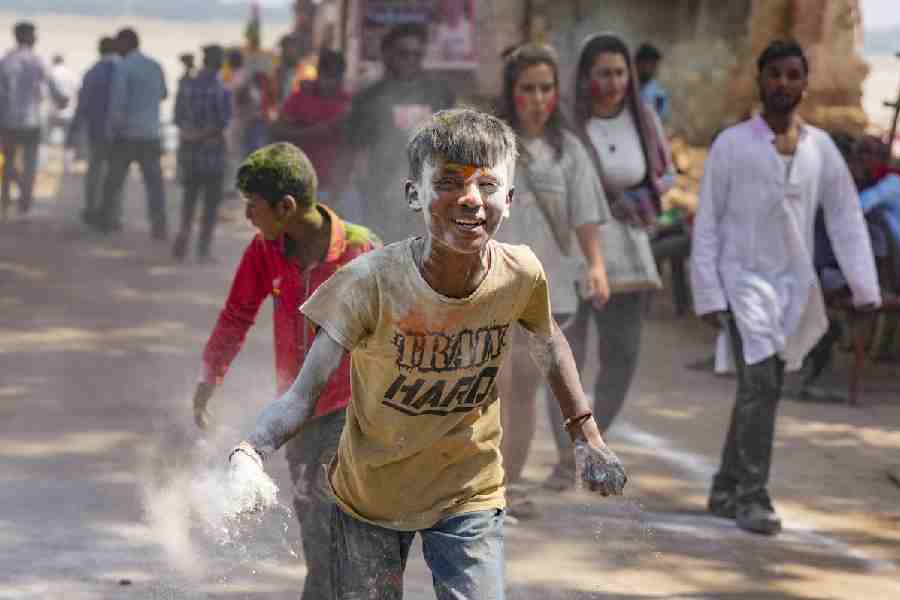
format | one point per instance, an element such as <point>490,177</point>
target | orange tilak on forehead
<point>468,172</point>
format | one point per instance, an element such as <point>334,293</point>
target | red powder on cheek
<point>552,102</point>
<point>597,90</point>
<point>520,100</point>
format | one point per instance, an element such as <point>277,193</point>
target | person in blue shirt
<point>90,120</point>
<point>646,62</point>
<point>133,128</point>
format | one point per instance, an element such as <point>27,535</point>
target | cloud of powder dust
<point>203,511</point>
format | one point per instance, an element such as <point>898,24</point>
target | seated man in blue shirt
<point>646,62</point>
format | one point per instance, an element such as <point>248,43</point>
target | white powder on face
<point>495,202</point>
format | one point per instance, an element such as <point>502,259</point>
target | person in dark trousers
<point>91,117</point>
<point>202,113</point>
<point>627,146</point>
<point>133,129</point>
<point>23,76</point>
<point>381,120</point>
<point>752,267</point>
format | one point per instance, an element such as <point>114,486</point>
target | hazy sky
<point>880,13</point>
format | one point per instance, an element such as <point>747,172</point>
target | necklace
<point>601,128</point>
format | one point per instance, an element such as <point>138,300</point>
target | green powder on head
<point>276,171</point>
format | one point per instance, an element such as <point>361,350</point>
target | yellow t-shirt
<point>422,439</point>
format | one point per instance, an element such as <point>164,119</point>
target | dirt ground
<point>100,342</point>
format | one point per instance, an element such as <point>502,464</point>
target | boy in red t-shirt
<point>300,244</point>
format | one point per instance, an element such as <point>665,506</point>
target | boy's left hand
<point>602,470</point>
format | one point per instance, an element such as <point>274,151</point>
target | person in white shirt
<point>61,116</point>
<point>23,79</point>
<point>752,267</point>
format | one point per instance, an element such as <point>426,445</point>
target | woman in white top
<point>627,144</point>
<point>557,211</point>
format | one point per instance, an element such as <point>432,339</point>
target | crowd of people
<point>390,333</point>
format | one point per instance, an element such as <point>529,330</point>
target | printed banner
<point>451,26</point>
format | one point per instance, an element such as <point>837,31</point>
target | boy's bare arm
<point>281,419</point>
<point>602,471</point>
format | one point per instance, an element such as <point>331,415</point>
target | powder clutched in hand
<point>247,487</point>
<point>194,506</point>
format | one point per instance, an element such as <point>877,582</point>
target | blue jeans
<point>464,553</point>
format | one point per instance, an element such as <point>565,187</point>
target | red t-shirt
<point>264,271</point>
<point>307,107</point>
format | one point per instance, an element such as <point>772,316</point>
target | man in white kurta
<point>752,266</point>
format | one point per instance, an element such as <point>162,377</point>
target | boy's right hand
<point>245,454</point>
<point>202,395</point>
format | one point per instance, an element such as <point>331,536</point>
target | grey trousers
<point>98,167</point>
<point>308,454</point>
<point>619,343</point>
<point>147,153</point>
<point>747,454</point>
<point>212,188</point>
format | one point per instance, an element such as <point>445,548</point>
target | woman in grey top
<point>627,146</point>
<point>558,207</point>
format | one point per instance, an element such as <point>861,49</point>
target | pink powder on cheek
<point>551,104</point>
<point>521,101</point>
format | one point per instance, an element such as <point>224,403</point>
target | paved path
<point>99,348</point>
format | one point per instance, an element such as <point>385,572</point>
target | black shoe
<point>758,517</point>
<point>722,504</point>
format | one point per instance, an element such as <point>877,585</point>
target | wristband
<point>250,451</point>
<point>577,420</point>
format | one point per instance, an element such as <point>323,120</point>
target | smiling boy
<point>426,323</point>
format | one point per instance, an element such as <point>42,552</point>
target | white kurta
<point>753,238</point>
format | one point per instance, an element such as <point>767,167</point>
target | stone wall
<point>699,39</point>
<point>829,32</point>
<point>709,46</point>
